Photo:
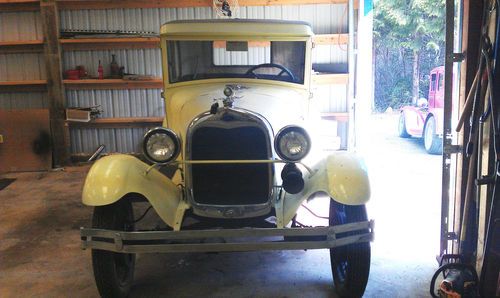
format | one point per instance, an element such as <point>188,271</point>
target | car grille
<point>230,184</point>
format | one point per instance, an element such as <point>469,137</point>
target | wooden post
<point>55,86</point>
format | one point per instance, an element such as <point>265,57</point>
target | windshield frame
<point>307,59</point>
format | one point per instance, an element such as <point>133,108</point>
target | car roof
<point>236,28</point>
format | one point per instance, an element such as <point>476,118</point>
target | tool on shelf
<point>82,33</point>
<point>79,73</point>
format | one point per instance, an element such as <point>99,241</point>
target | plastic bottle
<point>100,71</point>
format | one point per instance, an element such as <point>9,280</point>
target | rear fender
<point>342,176</point>
<point>113,177</point>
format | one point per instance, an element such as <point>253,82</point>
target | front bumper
<point>247,239</point>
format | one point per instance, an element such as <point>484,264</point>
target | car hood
<point>280,105</point>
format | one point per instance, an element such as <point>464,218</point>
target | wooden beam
<point>23,86</point>
<point>107,4</point>
<point>50,24</point>
<point>331,39</point>
<point>25,46</point>
<point>119,122</point>
<point>19,5</point>
<point>338,116</point>
<point>330,79</point>
<point>109,43</point>
<point>113,84</point>
<point>221,44</point>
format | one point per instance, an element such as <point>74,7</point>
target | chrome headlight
<point>292,143</point>
<point>161,145</point>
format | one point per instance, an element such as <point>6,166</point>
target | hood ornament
<point>227,101</point>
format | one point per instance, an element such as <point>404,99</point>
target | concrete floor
<point>41,214</point>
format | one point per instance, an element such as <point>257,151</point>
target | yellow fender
<point>342,175</point>
<point>114,176</point>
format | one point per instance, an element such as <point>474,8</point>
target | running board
<point>203,240</point>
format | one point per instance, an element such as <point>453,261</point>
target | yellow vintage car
<point>239,137</point>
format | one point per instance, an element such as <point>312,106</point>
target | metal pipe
<point>351,96</point>
<point>446,160</point>
<point>97,153</point>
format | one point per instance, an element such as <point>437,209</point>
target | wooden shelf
<point>75,44</point>
<point>108,4</point>
<point>331,39</point>
<point>113,84</point>
<point>24,46</point>
<point>338,116</point>
<point>330,79</point>
<point>19,5</point>
<point>23,86</point>
<point>119,122</point>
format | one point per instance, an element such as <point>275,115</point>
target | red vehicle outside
<point>424,119</point>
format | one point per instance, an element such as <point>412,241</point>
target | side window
<point>433,82</point>
<point>441,82</point>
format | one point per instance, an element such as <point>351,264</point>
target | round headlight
<point>292,143</point>
<point>161,145</point>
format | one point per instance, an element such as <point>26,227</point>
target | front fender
<point>342,175</point>
<point>114,176</point>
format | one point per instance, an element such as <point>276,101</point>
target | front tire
<point>432,142</point>
<point>350,263</point>
<point>113,272</point>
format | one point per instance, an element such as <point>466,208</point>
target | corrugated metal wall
<point>327,18</point>
<point>18,26</point>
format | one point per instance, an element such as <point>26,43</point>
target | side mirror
<point>422,103</point>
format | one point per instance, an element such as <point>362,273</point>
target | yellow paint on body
<point>341,175</point>
<point>112,177</point>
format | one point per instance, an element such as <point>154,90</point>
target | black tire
<point>351,263</point>
<point>113,272</point>
<point>402,132</point>
<point>432,142</point>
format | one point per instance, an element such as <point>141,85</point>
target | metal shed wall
<point>19,26</point>
<point>324,18</point>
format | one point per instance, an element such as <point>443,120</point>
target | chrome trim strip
<point>168,241</point>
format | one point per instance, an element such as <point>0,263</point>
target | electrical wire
<point>143,215</point>
<point>318,216</point>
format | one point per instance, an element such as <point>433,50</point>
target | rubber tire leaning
<point>436,144</point>
<point>402,132</point>
<point>113,272</point>
<point>350,263</point>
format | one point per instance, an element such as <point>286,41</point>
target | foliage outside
<point>408,39</point>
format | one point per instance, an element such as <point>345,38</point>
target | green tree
<point>408,40</point>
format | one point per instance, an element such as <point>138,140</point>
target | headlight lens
<point>161,145</point>
<point>292,143</point>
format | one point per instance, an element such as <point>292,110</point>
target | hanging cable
<point>312,212</point>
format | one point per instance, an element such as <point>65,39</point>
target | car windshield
<point>268,60</point>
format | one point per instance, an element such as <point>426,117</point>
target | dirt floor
<point>40,251</point>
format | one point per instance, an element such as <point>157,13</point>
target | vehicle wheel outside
<point>433,144</point>
<point>403,133</point>
<point>351,263</point>
<point>113,272</point>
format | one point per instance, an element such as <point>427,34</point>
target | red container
<point>72,74</point>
